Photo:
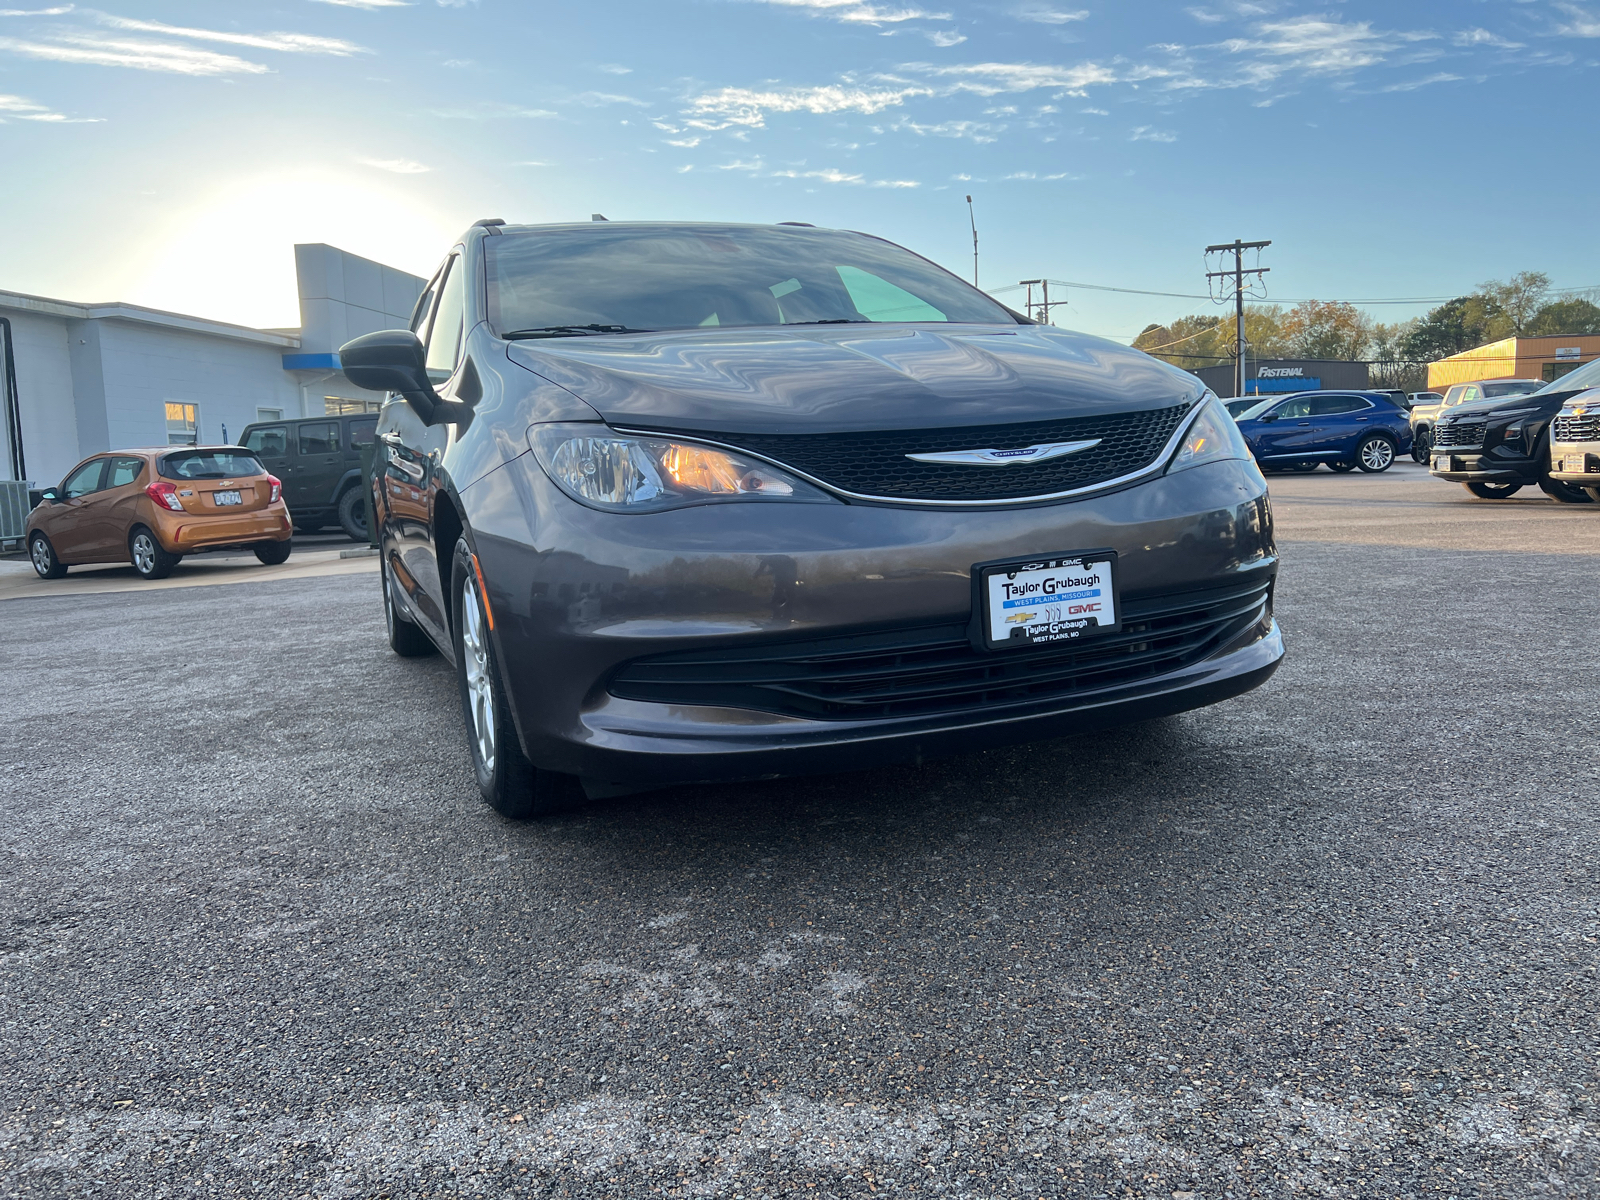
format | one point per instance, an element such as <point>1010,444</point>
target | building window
<point>338,406</point>
<point>1555,370</point>
<point>183,424</point>
<point>269,414</point>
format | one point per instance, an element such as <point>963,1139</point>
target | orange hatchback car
<point>151,507</point>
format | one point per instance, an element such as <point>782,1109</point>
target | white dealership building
<point>82,378</point>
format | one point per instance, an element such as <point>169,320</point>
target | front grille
<point>874,463</point>
<point>935,669</point>
<point>1465,434</point>
<point>1576,429</point>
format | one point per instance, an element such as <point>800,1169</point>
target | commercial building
<point>93,377</point>
<point>1546,357</point>
<point>1274,376</point>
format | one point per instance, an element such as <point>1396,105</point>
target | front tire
<point>353,514</point>
<point>149,557</point>
<point>1493,491</point>
<point>405,636</point>
<point>43,556</point>
<point>510,784</point>
<point>274,553</point>
<point>1375,453</point>
<point>1421,447</point>
<point>1564,493</point>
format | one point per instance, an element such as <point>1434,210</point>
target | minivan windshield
<point>576,280</point>
<point>210,464</point>
<point>1586,376</point>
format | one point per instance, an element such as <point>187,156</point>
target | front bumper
<point>1475,466</point>
<point>604,590</point>
<point>1576,463</point>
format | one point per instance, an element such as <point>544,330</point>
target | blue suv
<point>1346,430</point>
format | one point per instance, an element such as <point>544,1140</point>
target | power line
<point>1237,249</point>
<point>1100,287</point>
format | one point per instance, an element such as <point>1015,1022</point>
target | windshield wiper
<point>833,321</point>
<point>544,331</point>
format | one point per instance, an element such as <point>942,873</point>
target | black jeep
<point>319,461</point>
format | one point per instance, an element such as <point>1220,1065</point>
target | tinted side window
<point>1293,408</point>
<point>84,480</point>
<point>363,433</point>
<point>1332,405</point>
<point>444,338</point>
<point>320,438</point>
<point>271,441</point>
<point>124,471</point>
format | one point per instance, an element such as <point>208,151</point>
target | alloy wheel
<point>41,556</point>
<point>480,685</point>
<point>144,553</point>
<point>1377,454</point>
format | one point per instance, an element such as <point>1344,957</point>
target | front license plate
<point>1056,599</point>
<point>1442,463</point>
<point>223,499</point>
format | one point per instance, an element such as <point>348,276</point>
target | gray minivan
<point>319,461</point>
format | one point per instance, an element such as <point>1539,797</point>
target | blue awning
<point>1267,387</point>
<point>311,362</point>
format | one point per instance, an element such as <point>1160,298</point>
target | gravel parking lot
<point>1337,937</point>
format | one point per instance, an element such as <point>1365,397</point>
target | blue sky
<point>169,152</point>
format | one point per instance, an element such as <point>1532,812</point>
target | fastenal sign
<point>1286,372</point>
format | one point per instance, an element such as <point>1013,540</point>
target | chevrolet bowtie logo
<point>1025,456</point>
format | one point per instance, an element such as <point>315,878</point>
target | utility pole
<point>973,218</point>
<point>1044,306</point>
<point>1237,249</point>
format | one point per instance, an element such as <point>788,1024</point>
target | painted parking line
<point>19,582</point>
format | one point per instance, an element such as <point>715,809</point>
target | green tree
<point>1514,304</point>
<point>1575,317</point>
<point>1207,340</point>
<point>1454,326</point>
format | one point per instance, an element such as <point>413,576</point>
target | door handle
<point>390,439</point>
<point>1305,424</point>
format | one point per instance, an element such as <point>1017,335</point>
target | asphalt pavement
<point>1338,937</point>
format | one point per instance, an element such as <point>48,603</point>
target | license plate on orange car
<point>223,499</point>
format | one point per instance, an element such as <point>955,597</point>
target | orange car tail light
<point>277,488</point>
<point>164,494</point>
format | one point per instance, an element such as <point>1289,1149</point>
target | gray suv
<point>319,461</point>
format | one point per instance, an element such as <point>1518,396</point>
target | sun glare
<point>230,256</point>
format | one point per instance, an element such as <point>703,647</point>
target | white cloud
<point>896,183</point>
<point>400,166</point>
<point>1582,25</point>
<point>1205,16</point>
<point>1148,133</point>
<point>1094,112</point>
<point>944,38</point>
<point>367,4</point>
<point>1034,175</point>
<point>595,99</point>
<point>458,63</point>
<point>20,108</point>
<point>827,175</point>
<point>101,51</point>
<point>1322,46</point>
<point>1483,37</point>
<point>754,164</point>
<point>859,11</point>
<point>732,106</point>
<point>993,78</point>
<point>1412,85</point>
<point>36,12</point>
<point>491,111</point>
<point>981,132</point>
<point>685,143</point>
<point>1043,14</point>
<point>614,69</point>
<point>288,43</point>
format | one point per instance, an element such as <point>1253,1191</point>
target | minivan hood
<point>855,377</point>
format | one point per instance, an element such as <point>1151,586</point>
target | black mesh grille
<point>935,669</point>
<point>1458,434</point>
<point>874,463</point>
<point>1577,429</point>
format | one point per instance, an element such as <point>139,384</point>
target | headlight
<point>1211,436</point>
<point>622,472</point>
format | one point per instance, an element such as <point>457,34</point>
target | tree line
<point>1398,353</point>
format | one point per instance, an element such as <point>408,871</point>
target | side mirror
<point>1272,416</point>
<point>393,360</point>
<point>49,496</point>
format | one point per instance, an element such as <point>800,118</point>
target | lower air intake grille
<point>874,463</point>
<point>935,669</point>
